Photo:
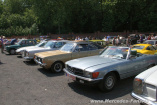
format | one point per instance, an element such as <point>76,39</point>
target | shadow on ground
<point>48,73</point>
<point>30,63</point>
<point>19,56</point>
<point>122,88</point>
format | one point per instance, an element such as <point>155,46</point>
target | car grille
<point>39,59</point>
<point>75,71</point>
<point>150,91</point>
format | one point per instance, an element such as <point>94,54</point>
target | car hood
<point>24,48</point>
<point>50,53</point>
<point>91,62</point>
<point>38,49</point>
<point>149,76</point>
<point>151,79</point>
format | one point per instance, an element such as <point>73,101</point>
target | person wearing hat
<point>2,48</point>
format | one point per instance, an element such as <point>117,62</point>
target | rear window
<point>138,47</point>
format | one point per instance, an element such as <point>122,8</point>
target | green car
<point>11,49</point>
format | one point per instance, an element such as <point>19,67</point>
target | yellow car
<point>144,48</point>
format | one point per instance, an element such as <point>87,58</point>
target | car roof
<point>142,45</point>
<point>80,42</point>
<point>59,40</point>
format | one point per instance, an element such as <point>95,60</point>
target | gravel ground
<point>25,83</point>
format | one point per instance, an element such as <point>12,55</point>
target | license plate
<point>71,76</point>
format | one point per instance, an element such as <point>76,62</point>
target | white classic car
<point>49,46</point>
<point>145,86</point>
<point>20,50</point>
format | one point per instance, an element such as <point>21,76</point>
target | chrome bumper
<point>142,99</point>
<point>83,78</point>
<point>41,64</point>
<point>28,58</point>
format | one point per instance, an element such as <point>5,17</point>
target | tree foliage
<point>22,17</point>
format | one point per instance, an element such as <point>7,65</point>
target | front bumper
<point>83,80</point>
<point>28,58</point>
<point>41,64</point>
<point>142,99</point>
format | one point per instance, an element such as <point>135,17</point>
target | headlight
<point>87,74</point>
<point>137,86</point>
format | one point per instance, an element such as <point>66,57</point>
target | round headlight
<point>138,86</point>
<point>87,74</point>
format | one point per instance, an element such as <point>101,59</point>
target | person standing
<point>118,41</point>
<point>141,38</point>
<point>114,41</point>
<point>2,47</point>
<point>128,41</point>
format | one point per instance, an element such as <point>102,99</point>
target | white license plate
<point>71,76</point>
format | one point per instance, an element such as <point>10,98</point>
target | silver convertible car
<point>114,63</point>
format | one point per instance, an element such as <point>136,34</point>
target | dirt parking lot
<point>25,83</point>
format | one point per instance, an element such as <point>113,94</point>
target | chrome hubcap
<point>58,67</point>
<point>110,82</point>
<point>12,51</point>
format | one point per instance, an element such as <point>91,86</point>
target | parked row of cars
<point>86,62</point>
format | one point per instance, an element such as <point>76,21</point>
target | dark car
<point>11,49</point>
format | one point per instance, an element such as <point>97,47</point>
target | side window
<point>92,47</point>
<point>152,48</point>
<point>23,42</point>
<point>30,42</point>
<point>58,44</point>
<point>148,48</point>
<point>82,47</point>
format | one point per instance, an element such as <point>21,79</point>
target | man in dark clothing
<point>2,47</point>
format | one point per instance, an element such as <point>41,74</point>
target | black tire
<point>108,83</point>
<point>12,51</point>
<point>57,67</point>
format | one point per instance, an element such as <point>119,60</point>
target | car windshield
<point>41,44</point>
<point>49,44</point>
<point>138,47</point>
<point>149,42</point>
<point>115,52</point>
<point>68,47</point>
<point>19,41</point>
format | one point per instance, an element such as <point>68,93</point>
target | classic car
<point>152,42</point>
<point>54,60</point>
<point>11,49</point>
<point>49,46</point>
<point>20,50</point>
<point>144,48</point>
<point>114,63</point>
<point>145,86</point>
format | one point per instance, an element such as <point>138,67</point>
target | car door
<point>81,50</point>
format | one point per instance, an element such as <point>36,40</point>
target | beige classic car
<point>54,60</point>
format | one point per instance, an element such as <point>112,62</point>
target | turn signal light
<point>95,74</point>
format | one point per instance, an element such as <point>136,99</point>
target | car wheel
<point>57,67</point>
<point>108,83</point>
<point>12,51</point>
